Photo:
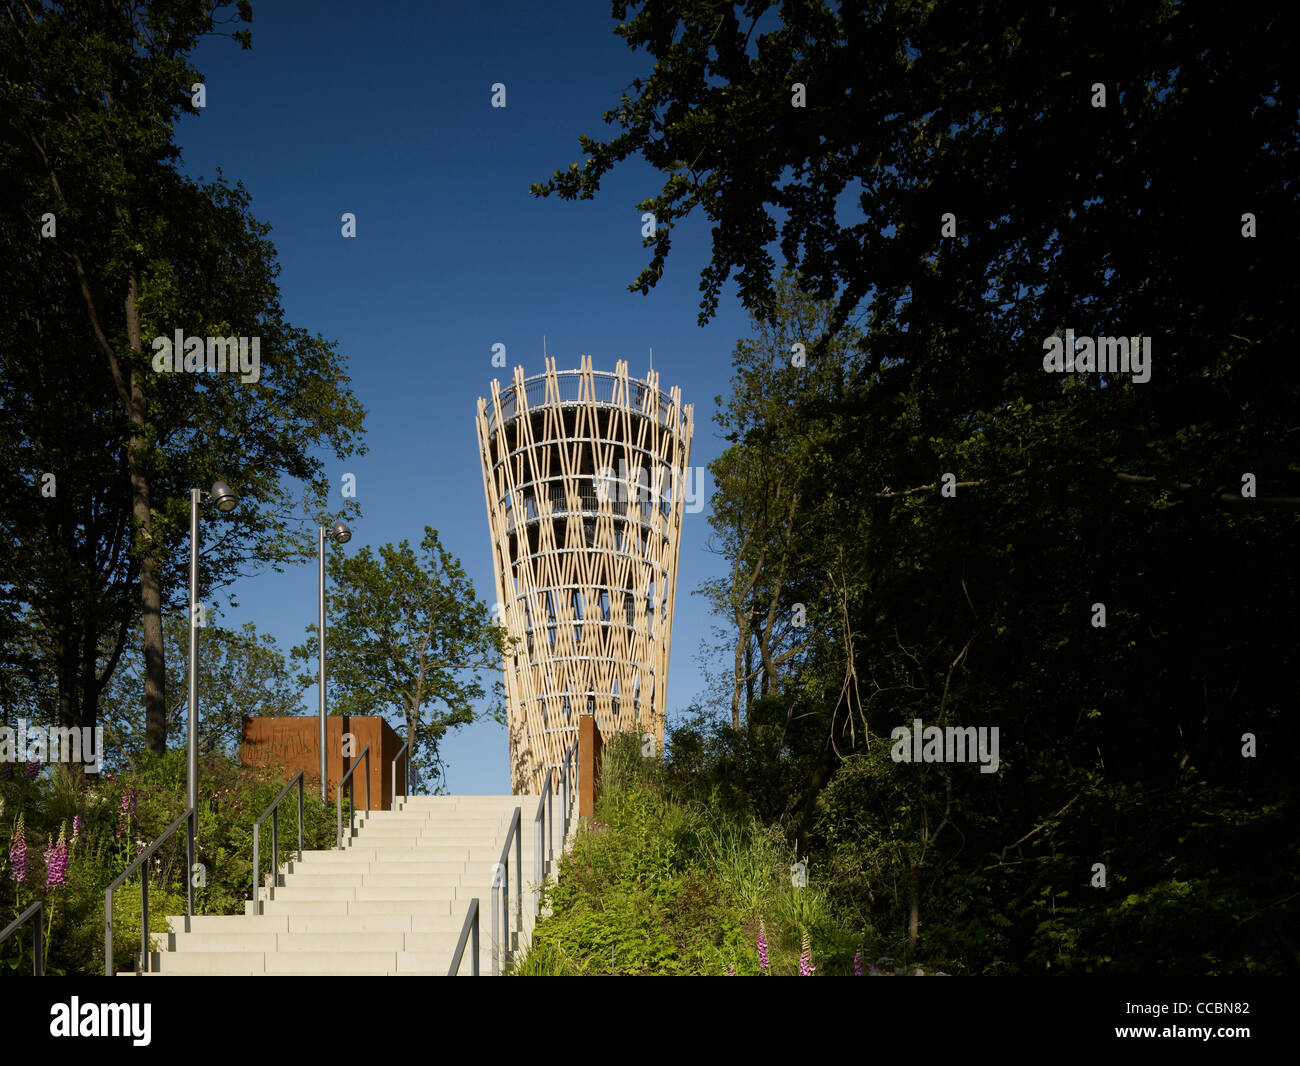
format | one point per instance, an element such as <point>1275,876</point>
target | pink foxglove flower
<point>56,861</point>
<point>762,949</point>
<point>806,967</point>
<point>18,854</point>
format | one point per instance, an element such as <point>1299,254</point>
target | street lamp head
<point>223,496</point>
<point>341,533</point>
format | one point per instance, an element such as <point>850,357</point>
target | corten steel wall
<point>586,566</point>
<point>291,744</point>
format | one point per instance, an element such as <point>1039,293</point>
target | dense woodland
<point>1128,169</point>
<point>914,520</point>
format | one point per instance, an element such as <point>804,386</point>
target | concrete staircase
<point>391,902</point>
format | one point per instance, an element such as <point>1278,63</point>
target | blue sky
<point>385,112</point>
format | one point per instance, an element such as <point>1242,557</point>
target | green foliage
<point>121,815</point>
<point>242,673</point>
<point>1119,745</point>
<point>89,98</point>
<point>660,884</point>
<point>408,637</point>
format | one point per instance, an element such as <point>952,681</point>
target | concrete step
<point>434,821</point>
<point>440,817</point>
<point>392,901</point>
<point>363,906</point>
<point>273,924</point>
<point>415,893</point>
<point>380,923</point>
<point>436,825</point>
<point>225,963</point>
<point>363,880</point>
<point>443,941</point>
<point>363,866</point>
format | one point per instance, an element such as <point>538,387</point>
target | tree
<point>406,635</point>
<point>1064,214</point>
<point>66,569</point>
<point>976,507</point>
<point>242,674</point>
<point>91,93</point>
<point>764,530</point>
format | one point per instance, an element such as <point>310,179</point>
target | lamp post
<point>224,497</point>
<point>340,534</point>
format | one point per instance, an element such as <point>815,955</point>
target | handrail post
<point>474,904</point>
<point>144,918</point>
<point>190,816</point>
<point>496,923</point>
<point>507,956</point>
<point>275,851</point>
<point>190,856</point>
<point>274,811</point>
<point>468,927</point>
<point>33,910</point>
<point>108,933</point>
<point>537,866</point>
<point>406,775</point>
<point>351,780</point>
<point>502,948</point>
<point>519,880</point>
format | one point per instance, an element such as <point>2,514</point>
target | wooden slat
<point>548,545</point>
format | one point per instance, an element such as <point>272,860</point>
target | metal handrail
<point>568,789</point>
<point>190,815</point>
<point>540,865</point>
<point>471,924</point>
<point>544,823</point>
<point>38,958</point>
<point>352,809</point>
<point>274,811</point>
<point>406,777</point>
<point>501,879</point>
<point>501,875</point>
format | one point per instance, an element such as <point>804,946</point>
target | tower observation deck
<point>584,474</point>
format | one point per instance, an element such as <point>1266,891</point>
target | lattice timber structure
<point>585,475</point>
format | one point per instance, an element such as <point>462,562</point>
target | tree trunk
<point>749,675</point>
<point>738,664</point>
<point>65,650</point>
<point>155,661</point>
<point>914,910</point>
<point>822,773</point>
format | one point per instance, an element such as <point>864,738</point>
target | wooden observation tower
<point>585,474</point>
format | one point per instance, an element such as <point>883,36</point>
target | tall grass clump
<point>661,882</point>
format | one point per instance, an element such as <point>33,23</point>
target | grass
<point>664,885</point>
